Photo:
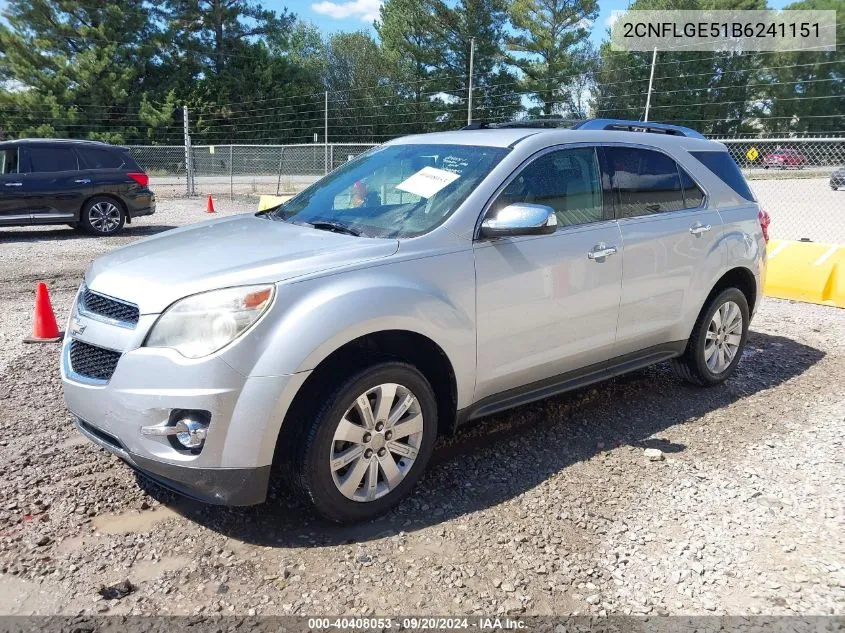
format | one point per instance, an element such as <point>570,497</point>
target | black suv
<point>87,184</point>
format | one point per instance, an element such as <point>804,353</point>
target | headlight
<point>200,325</point>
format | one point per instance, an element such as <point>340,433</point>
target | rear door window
<point>648,181</point>
<point>46,159</point>
<point>9,160</point>
<point>96,158</point>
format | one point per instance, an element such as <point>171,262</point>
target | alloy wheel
<point>724,335</point>
<point>376,442</point>
<point>104,217</point>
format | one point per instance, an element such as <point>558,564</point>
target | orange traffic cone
<point>44,327</point>
<point>209,207</point>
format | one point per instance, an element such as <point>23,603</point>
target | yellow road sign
<point>752,153</point>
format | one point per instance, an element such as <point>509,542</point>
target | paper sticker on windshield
<point>427,181</point>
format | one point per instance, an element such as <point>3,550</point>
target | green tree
<point>405,29</point>
<point>551,48</point>
<point>716,93</point>
<point>77,68</point>
<point>806,91</point>
<point>495,88</point>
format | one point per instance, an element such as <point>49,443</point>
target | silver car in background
<point>436,279</point>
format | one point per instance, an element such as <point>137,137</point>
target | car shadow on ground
<point>10,236</point>
<point>470,471</point>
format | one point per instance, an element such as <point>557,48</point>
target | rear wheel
<point>717,340</point>
<point>368,442</point>
<point>102,216</point>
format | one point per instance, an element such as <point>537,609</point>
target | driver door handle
<point>14,184</point>
<point>601,251</point>
<point>699,229</point>
<point>82,181</point>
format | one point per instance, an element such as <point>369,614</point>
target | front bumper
<point>147,385</point>
<point>219,486</point>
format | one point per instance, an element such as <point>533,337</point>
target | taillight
<point>140,177</point>
<point>765,220</point>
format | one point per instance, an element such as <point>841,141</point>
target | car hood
<point>232,251</point>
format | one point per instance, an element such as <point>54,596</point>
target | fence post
<point>281,162</point>
<point>231,173</point>
<point>326,136</point>
<point>189,154</point>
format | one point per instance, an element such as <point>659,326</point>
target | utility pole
<point>650,82</point>
<point>189,175</point>
<point>469,90</point>
<point>326,135</point>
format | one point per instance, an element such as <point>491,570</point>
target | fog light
<point>185,429</point>
<point>190,432</point>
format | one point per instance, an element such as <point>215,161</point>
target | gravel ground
<point>553,508</point>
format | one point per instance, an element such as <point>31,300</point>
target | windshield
<point>393,191</point>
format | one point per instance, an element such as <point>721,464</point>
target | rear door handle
<point>82,181</point>
<point>699,229</point>
<point>14,184</point>
<point>601,251</point>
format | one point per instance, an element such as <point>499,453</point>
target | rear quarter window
<point>96,158</point>
<point>721,164</point>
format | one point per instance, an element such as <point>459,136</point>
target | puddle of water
<point>144,570</point>
<point>132,522</point>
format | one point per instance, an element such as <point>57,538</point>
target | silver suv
<point>433,280</point>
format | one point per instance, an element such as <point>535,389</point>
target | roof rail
<point>652,127</point>
<point>55,140</point>
<point>530,123</point>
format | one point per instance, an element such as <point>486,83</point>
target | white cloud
<point>611,19</point>
<point>364,10</point>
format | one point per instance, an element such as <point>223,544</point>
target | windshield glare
<point>394,191</point>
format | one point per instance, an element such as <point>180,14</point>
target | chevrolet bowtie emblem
<point>76,327</point>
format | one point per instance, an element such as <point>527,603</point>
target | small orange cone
<point>209,207</point>
<point>44,326</point>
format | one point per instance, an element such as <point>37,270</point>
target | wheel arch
<point>740,278</point>
<point>384,345</point>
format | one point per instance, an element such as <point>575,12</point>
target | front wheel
<point>102,216</point>
<point>717,340</point>
<point>368,442</point>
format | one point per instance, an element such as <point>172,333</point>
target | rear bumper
<point>140,202</point>
<point>219,486</point>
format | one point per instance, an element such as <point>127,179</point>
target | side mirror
<point>521,218</point>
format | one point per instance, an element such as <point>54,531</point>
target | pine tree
<point>551,48</point>
<point>77,68</point>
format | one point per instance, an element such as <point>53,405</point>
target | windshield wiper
<point>335,227</point>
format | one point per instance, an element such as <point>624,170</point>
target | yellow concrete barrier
<point>806,271</point>
<point>267,202</point>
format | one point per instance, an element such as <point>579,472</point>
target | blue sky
<point>352,15</point>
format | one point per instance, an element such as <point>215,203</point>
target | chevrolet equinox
<point>433,280</point>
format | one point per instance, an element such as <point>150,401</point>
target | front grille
<point>92,361</point>
<point>110,308</point>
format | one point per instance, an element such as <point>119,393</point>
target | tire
<point>335,493</point>
<point>102,216</point>
<point>693,365</point>
<point>834,187</point>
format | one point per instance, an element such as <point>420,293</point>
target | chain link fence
<point>238,170</point>
<point>792,177</point>
<point>793,180</point>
